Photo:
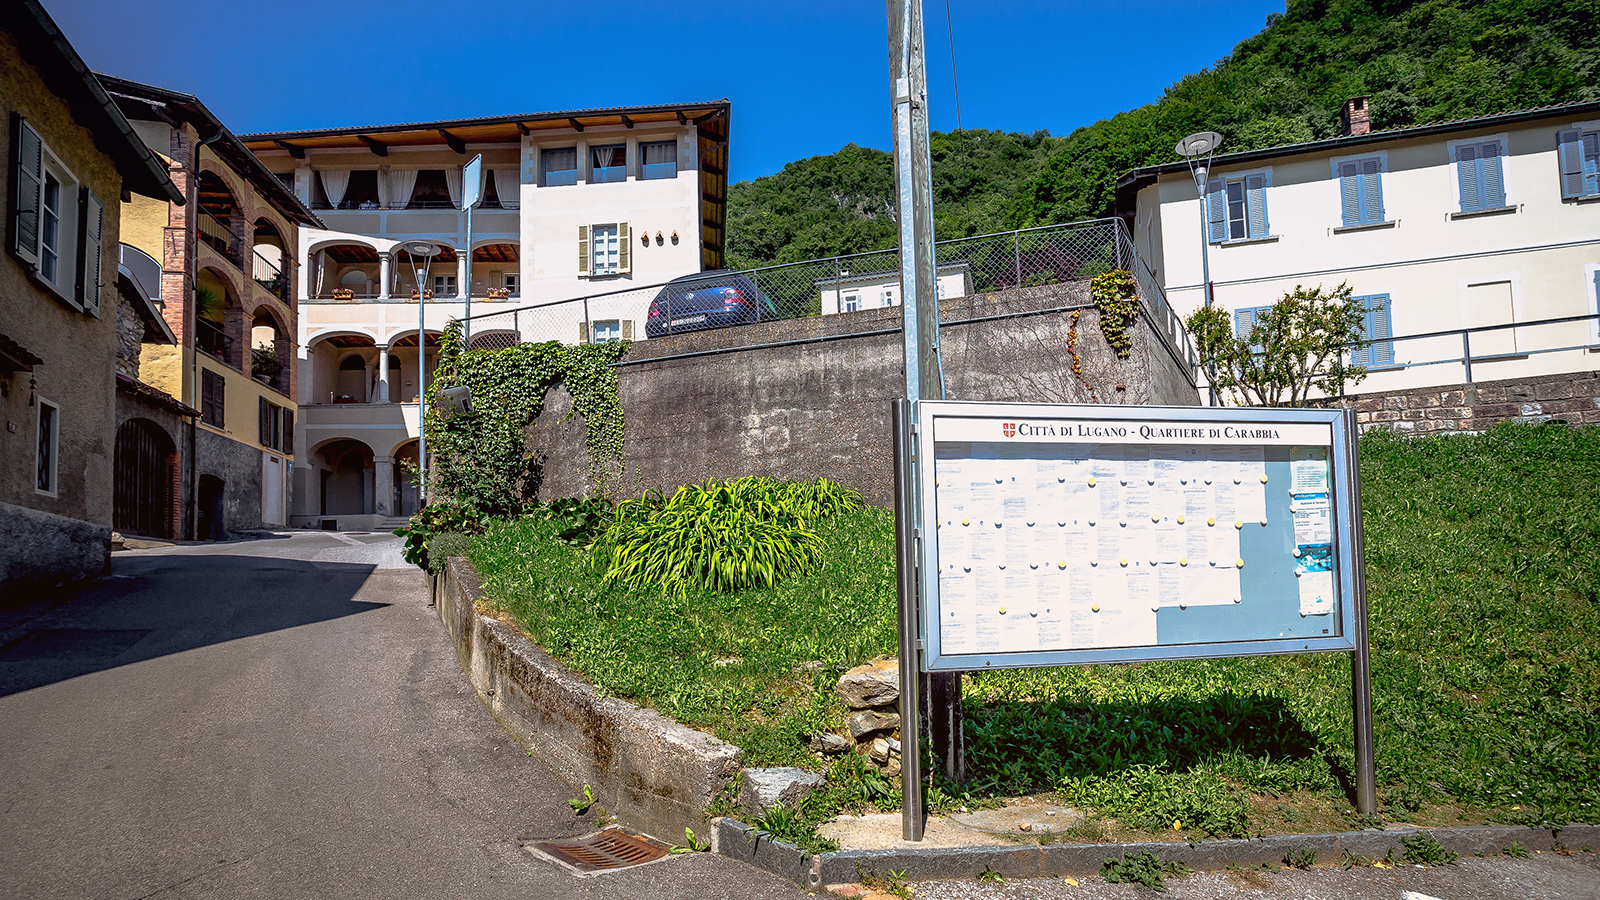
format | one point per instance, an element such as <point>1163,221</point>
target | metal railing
<point>1504,342</point>
<point>266,273</point>
<point>1032,257</point>
<point>219,235</point>
<point>372,205</point>
<point>209,338</point>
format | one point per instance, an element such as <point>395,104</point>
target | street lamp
<point>1192,148</point>
<point>420,253</point>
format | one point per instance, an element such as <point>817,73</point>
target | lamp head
<point>1201,143</point>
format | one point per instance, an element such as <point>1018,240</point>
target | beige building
<point>1492,221</point>
<point>592,203</point>
<point>73,157</point>
<point>228,295</point>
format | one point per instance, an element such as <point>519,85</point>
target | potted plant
<point>499,293</point>
<point>264,365</point>
<point>344,294</point>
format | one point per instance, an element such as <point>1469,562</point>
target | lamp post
<point>423,251</point>
<point>1192,148</point>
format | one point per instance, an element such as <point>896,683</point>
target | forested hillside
<point>1420,61</point>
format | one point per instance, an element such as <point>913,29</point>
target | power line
<point>950,26</point>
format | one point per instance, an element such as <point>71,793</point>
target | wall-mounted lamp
<point>33,388</point>
<point>644,238</point>
<point>659,239</point>
<point>674,237</point>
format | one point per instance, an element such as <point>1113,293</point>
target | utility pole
<point>908,82</point>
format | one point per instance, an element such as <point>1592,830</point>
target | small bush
<point>1421,849</point>
<point>444,545</point>
<point>1147,869</point>
<point>437,518</point>
<point>722,536</point>
<point>1152,800</point>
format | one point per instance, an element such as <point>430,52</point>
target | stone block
<point>1387,415</point>
<point>828,742</point>
<point>1530,409</point>
<point>1453,398</point>
<point>1414,415</point>
<point>1424,400</point>
<point>1396,403</point>
<point>1370,404</point>
<point>762,789</point>
<point>870,720</point>
<point>1558,407</point>
<point>1591,417</point>
<point>1405,426</point>
<point>1363,417</point>
<point>1559,389</point>
<point>876,683</point>
<point>1448,412</point>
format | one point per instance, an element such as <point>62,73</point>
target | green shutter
<point>27,182</point>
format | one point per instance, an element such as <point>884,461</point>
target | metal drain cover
<point>603,851</point>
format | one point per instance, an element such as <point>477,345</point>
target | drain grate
<point>603,851</point>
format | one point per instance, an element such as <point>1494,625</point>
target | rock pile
<point>872,691</point>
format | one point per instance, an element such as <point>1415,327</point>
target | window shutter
<point>583,251</point>
<point>27,180</point>
<point>91,224</point>
<point>287,444</point>
<point>1380,331</point>
<point>1591,163</point>
<point>1216,211</point>
<point>627,329</point>
<point>1350,193</point>
<point>265,416</point>
<point>1494,186</point>
<point>583,332</point>
<point>1256,194</point>
<point>1467,175</point>
<point>1372,191</point>
<point>1569,154</point>
<point>624,249</point>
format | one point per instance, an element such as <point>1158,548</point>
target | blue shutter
<point>1569,159</point>
<point>1243,321</point>
<point>1371,192</point>
<point>1494,185</point>
<point>1350,193</point>
<point>1256,203</point>
<point>1467,175</point>
<point>1591,163</point>
<point>1375,330</point>
<point>1216,211</point>
<point>1597,302</point>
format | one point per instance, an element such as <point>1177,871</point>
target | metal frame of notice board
<point>1072,436</point>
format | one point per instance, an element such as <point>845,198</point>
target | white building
<point>576,204</point>
<point>1440,228</point>
<point>852,292</point>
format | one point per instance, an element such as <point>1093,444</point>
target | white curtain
<point>401,184</point>
<point>608,156</point>
<point>333,184</point>
<point>508,185</point>
<point>452,183</point>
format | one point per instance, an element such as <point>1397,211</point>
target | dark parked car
<point>707,300</point>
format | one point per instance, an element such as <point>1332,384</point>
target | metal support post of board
<point>907,558</point>
<point>1360,668</point>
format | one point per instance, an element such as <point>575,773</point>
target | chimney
<point>1355,121</point>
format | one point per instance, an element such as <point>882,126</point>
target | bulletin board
<point>1066,534</point>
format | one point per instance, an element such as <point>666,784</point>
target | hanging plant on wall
<point>481,458</point>
<point>1116,296</point>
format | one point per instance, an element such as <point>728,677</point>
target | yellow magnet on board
<point>1002,610</point>
<point>1238,524</point>
<point>1238,564</point>
<point>966,521</point>
<point>1263,478</point>
<point>1211,521</point>
<point>1180,520</point>
<point>1061,564</point>
<point>1155,517</point>
<point>1124,561</point>
<point>1184,561</point>
<point>1091,482</point>
<point>1095,607</point>
<point>1236,480</point>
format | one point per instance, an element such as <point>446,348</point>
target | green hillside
<point>1419,61</point>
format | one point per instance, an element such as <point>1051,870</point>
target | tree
<point>1293,347</point>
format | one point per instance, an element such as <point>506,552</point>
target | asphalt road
<point>280,718</point>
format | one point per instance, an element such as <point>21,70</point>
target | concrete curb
<point>743,842</point>
<point>652,773</point>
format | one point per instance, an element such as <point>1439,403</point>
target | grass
<point>1483,556</point>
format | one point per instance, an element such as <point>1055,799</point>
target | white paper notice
<point>1141,586</point>
<point>1308,470</point>
<point>1137,502</point>
<point>983,497</point>
<point>1075,543</point>
<point>1107,463</point>
<point>1164,467</point>
<point>1110,500</point>
<point>1018,630</point>
<point>1313,569</point>
<point>1050,610</point>
<point>1224,508</point>
<point>1018,542</point>
<point>955,601</point>
<point>1196,499</point>
<point>985,546</point>
<point>1136,466</point>
<point>1169,584</point>
<point>1138,538</point>
<point>1048,550</point>
<point>1312,522</point>
<point>1197,542</point>
<point>1107,537</point>
<point>1168,545</point>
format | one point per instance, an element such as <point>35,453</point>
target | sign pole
<point>1360,660</point>
<point>471,179</point>
<point>905,528</point>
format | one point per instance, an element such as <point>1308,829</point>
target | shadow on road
<point>158,605</point>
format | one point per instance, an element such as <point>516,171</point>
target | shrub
<point>444,545</point>
<point>722,536</point>
<point>437,518</point>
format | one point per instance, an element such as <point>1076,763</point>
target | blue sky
<point>804,78</point>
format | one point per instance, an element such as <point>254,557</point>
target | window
<point>604,331</point>
<point>886,298</point>
<point>431,191</point>
<point>56,225</point>
<point>444,285</point>
<point>660,159</point>
<point>850,302</point>
<point>286,179</point>
<point>1236,208</point>
<point>276,426</point>
<point>1579,157</point>
<point>603,250</point>
<point>1361,191</point>
<point>1245,319</point>
<point>361,191</point>
<point>1480,176</point>
<point>1376,350</point>
<point>510,281</point>
<point>211,397</point>
<point>48,443</point>
<point>558,166</point>
<point>609,162</point>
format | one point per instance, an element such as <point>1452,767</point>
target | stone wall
<point>809,398</point>
<point>130,336</point>
<point>1573,399</point>
<point>239,467</point>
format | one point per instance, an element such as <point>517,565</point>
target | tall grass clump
<point>721,535</point>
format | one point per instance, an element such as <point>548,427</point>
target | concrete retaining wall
<point>39,550</point>
<point>654,774</point>
<point>809,398</point>
<point>1572,398</point>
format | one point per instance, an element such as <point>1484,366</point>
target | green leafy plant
<point>437,518</point>
<point>991,876</point>
<point>1303,858</point>
<point>1293,348</point>
<point>893,884</point>
<point>691,844</point>
<point>264,361</point>
<point>720,536</point>
<point>582,520</point>
<point>1148,869</point>
<point>790,825</point>
<point>1516,851</point>
<point>444,545</point>
<point>580,805</point>
<point>208,304</point>
<point>1116,295</point>
<point>1421,849</point>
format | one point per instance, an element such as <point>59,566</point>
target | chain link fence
<point>1032,257</point>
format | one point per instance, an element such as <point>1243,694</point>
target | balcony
<point>210,339</point>
<point>267,274</point>
<point>217,233</point>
